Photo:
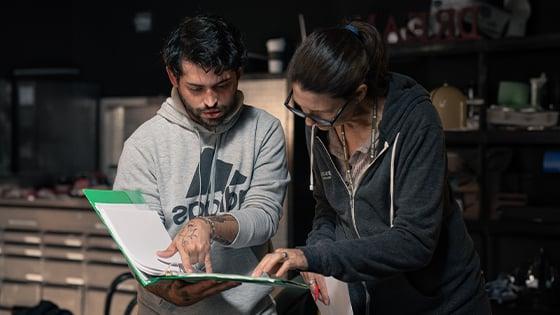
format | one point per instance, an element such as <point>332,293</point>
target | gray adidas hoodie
<point>185,170</point>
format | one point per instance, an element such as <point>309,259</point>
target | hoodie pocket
<point>396,295</point>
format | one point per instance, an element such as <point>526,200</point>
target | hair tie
<point>352,29</point>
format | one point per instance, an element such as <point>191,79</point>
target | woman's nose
<point>309,122</point>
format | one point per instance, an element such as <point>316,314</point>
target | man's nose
<point>210,98</point>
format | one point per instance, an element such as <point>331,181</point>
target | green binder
<point>95,197</point>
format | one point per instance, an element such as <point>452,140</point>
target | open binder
<point>139,233</point>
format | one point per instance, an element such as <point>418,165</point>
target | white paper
<point>339,298</point>
<point>140,233</point>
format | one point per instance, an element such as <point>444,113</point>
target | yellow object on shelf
<point>451,105</point>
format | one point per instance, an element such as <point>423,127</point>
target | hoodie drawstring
<point>392,180</point>
<point>213,175</point>
<point>199,170</point>
<point>311,157</point>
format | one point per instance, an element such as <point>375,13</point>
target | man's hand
<point>182,293</point>
<point>193,244</point>
<point>280,262</point>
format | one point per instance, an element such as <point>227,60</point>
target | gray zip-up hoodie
<point>185,170</point>
<point>398,239</point>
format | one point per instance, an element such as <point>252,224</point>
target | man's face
<point>208,98</point>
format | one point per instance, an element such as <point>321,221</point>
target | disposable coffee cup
<point>275,48</point>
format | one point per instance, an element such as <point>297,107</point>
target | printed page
<point>240,278</point>
<point>140,233</point>
<point>339,298</point>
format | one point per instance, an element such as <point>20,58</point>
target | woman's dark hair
<point>208,41</point>
<point>337,60</point>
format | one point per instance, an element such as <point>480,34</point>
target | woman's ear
<point>361,92</point>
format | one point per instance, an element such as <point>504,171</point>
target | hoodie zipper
<point>358,182</point>
<point>352,194</point>
<point>337,171</point>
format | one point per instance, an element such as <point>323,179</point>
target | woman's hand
<point>280,262</point>
<point>193,244</point>
<point>317,286</point>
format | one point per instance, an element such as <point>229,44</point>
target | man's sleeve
<point>261,210</point>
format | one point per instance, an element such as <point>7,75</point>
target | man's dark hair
<point>207,41</point>
<point>337,60</point>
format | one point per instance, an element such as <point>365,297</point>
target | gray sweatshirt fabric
<point>185,170</point>
<point>398,239</point>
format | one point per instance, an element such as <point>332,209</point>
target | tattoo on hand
<point>193,234</point>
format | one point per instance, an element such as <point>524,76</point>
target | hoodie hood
<point>403,96</point>
<point>173,110</point>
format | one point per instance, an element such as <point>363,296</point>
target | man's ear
<point>239,72</point>
<point>361,92</point>
<point>172,78</point>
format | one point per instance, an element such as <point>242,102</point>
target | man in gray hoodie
<point>213,168</point>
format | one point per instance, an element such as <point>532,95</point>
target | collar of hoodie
<point>174,110</point>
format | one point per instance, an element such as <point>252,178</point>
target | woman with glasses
<point>384,221</point>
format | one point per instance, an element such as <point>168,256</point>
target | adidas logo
<point>226,198</point>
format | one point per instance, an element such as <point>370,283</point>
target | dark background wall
<point>99,37</point>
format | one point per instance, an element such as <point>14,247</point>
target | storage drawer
<point>103,256</point>
<point>63,272</point>
<point>18,218</point>
<point>105,242</point>
<point>20,294</point>
<point>69,298</point>
<point>27,237</point>
<point>95,302</point>
<point>72,240</point>
<point>23,269</point>
<point>63,253</point>
<point>22,250</point>
<point>101,275</point>
<point>80,221</point>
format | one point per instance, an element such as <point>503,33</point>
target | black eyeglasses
<point>320,121</point>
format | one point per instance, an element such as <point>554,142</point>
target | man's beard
<point>196,114</point>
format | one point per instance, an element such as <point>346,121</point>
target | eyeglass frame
<point>318,120</point>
